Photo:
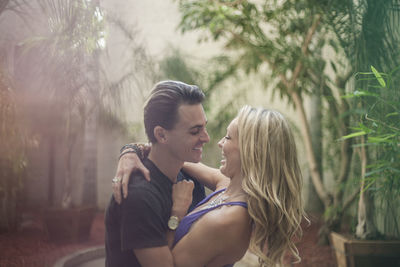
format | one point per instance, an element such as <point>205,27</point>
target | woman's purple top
<point>187,221</point>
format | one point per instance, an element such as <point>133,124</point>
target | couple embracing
<point>256,201</point>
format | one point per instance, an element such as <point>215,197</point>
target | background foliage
<point>286,42</point>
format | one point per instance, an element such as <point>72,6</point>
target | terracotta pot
<point>352,252</point>
<point>69,225</point>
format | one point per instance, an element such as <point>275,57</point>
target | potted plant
<point>378,134</point>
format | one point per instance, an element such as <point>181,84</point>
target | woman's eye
<point>227,137</point>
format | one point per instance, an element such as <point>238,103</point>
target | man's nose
<point>205,137</point>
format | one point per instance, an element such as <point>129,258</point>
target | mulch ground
<point>30,247</point>
<point>312,254</point>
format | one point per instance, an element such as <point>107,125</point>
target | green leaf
<point>378,139</point>
<point>392,114</point>
<point>359,93</point>
<point>348,96</point>
<point>378,77</point>
<point>353,135</point>
<point>364,93</point>
<point>364,128</point>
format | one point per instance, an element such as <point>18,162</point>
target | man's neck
<point>169,166</point>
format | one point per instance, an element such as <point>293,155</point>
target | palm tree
<point>60,66</point>
<point>12,158</point>
<point>12,141</point>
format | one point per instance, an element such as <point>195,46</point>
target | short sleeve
<point>142,223</point>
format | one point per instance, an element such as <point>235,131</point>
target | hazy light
<point>101,42</point>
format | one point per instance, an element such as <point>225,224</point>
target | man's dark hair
<point>162,105</point>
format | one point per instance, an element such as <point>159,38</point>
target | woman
<point>261,206</point>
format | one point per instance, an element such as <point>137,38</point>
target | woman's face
<point>230,163</point>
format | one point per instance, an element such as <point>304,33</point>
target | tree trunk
<point>305,129</point>
<point>365,226</point>
<point>90,160</point>
<point>70,141</point>
<point>313,202</point>
<point>90,135</point>
<point>90,132</point>
<point>51,169</point>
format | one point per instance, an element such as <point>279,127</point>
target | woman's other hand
<point>182,197</point>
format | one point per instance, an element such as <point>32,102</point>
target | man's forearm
<point>140,149</point>
<point>170,238</point>
<point>157,256</point>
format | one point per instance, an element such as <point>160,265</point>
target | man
<point>136,230</point>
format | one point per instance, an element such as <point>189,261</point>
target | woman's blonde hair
<point>273,181</point>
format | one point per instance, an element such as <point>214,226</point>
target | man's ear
<point>159,134</point>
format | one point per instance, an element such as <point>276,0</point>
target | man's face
<point>186,139</point>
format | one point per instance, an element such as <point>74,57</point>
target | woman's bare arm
<point>212,178</point>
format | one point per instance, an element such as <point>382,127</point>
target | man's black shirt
<point>141,220</point>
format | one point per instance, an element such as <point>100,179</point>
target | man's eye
<point>195,132</point>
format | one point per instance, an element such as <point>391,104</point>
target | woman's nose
<point>221,142</point>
